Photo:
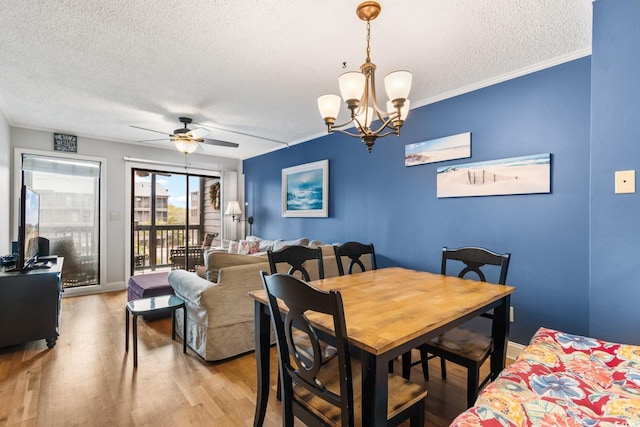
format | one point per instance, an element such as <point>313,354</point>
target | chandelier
<point>358,89</point>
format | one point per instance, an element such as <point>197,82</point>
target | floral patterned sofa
<point>563,380</point>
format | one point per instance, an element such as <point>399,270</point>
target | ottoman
<point>150,285</point>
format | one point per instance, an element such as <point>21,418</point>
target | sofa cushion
<point>265,245</point>
<point>280,244</point>
<point>217,260</point>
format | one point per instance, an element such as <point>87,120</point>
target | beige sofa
<point>219,311</point>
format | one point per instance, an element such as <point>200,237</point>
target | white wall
<point>115,196</point>
<point>5,187</point>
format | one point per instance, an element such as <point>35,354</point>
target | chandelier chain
<point>368,41</point>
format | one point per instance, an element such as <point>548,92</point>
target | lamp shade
<point>185,146</point>
<point>398,84</point>
<point>352,85</point>
<point>329,106</point>
<point>233,208</point>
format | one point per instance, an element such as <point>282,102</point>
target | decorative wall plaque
<point>62,142</point>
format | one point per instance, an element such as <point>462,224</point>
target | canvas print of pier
<point>516,175</point>
<point>438,150</point>
<point>305,190</point>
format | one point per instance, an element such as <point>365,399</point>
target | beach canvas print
<point>438,150</point>
<point>305,190</point>
<point>516,175</point>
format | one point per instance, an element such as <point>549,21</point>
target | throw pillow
<point>233,247</point>
<point>208,239</point>
<point>247,247</point>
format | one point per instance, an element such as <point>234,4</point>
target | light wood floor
<point>88,380</point>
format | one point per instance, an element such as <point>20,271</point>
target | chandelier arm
<point>343,124</point>
<point>381,113</point>
<point>347,133</point>
<point>384,125</point>
<point>391,132</point>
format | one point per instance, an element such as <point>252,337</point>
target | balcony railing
<point>152,245</point>
<point>78,245</point>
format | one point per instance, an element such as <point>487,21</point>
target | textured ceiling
<point>94,67</point>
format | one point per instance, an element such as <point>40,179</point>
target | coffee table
<point>150,305</point>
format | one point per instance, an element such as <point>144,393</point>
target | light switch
<point>625,182</point>
<point>115,216</point>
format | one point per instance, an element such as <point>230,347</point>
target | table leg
<point>262,344</point>
<point>173,323</point>
<point>375,390</point>
<point>126,330</point>
<point>500,331</point>
<point>135,340</point>
<point>184,332</point>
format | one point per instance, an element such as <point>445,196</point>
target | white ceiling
<point>93,67</point>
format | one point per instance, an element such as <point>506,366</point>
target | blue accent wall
<point>375,198</point>
<point>615,145</point>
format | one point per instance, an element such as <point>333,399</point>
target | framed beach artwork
<point>438,150</point>
<point>516,175</point>
<point>305,190</point>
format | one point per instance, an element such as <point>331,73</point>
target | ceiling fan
<point>186,140</point>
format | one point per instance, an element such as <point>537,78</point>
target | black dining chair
<point>296,256</point>
<point>462,345</point>
<point>353,251</point>
<point>323,393</point>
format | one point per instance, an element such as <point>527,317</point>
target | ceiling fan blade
<point>150,130</point>
<point>247,134</point>
<point>220,143</point>
<point>198,133</point>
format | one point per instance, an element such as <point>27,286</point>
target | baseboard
<point>513,350</point>
<point>93,289</point>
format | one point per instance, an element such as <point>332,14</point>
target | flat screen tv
<point>28,228</point>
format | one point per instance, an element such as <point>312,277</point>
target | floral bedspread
<point>563,380</point>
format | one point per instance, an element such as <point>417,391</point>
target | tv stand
<point>30,304</point>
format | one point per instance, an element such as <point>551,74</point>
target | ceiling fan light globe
<point>185,146</point>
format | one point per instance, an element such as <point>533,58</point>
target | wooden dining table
<point>388,312</point>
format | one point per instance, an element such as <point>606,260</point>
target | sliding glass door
<point>175,217</point>
<point>69,192</point>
